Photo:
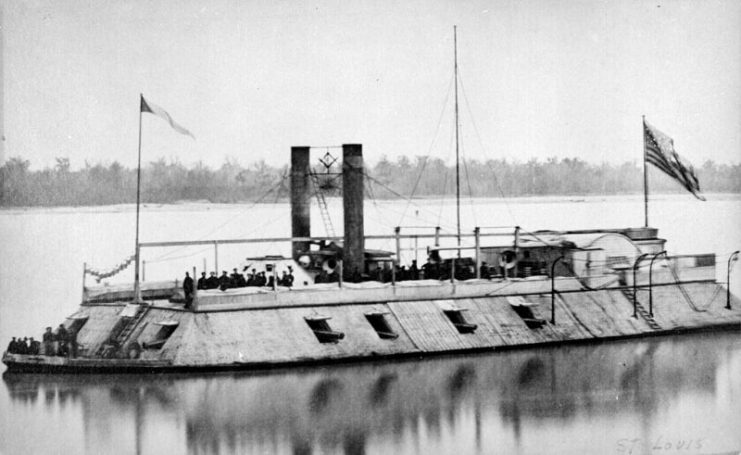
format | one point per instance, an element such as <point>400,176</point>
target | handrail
<point>731,259</point>
<point>308,239</point>
<point>553,289</point>
<point>650,283</point>
<point>635,286</point>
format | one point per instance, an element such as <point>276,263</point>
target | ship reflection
<point>479,402</point>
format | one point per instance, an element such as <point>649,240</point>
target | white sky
<point>252,78</point>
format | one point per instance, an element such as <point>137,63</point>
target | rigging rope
<point>468,182</point>
<point>481,144</point>
<point>429,149</point>
<point>275,187</point>
<point>394,192</point>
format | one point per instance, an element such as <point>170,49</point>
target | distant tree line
<point>167,182</point>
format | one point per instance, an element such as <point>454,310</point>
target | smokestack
<point>352,204</point>
<point>300,199</point>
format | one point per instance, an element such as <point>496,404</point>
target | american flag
<point>660,152</point>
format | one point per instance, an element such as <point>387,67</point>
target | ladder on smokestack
<point>324,212</point>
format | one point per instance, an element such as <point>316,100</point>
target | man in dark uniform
<point>21,347</point>
<point>188,289</point>
<point>236,279</point>
<point>213,281</point>
<point>202,282</point>
<point>61,337</point>
<point>48,339</point>
<point>414,271</point>
<point>12,346</point>
<point>289,278</point>
<point>34,347</point>
<point>224,281</point>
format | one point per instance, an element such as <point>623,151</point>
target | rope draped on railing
<point>101,274</point>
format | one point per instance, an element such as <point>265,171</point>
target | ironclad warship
<point>505,288</point>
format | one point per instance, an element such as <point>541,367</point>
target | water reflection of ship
<point>342,408</point>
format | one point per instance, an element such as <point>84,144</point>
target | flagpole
<point>645,175</point>
<point>137,289</point>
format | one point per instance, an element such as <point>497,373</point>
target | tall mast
<point>457,160</point>
<point>137,289</point>
<point>645,177</point>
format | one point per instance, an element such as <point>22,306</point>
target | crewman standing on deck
<point>12,346</point>
<point>202,282</point>
<point>414,271</point>
<point>224,281</point>
<point>34,347</point>
<point>188,289</point>
<point>213,281</point>
<point>61,337</point>
<point>48,339</point>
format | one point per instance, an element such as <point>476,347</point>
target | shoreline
<point>556,198</point>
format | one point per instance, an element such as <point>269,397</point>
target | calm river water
<point>659,396</point>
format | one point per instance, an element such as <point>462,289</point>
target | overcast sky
<point>252,78</point>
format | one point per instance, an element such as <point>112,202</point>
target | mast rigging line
<point>429,149</point>
<point>457,159</point>
<point>483,149</point>
<point>470,190</point>
<point>240,214</point>
<point>445,175</point>
<point>394,192</point>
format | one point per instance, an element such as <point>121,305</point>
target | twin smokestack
<point>352,205</point>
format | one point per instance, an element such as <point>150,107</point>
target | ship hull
<point>232,331</point>
<point>35,364</point>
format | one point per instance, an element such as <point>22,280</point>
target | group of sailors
<point>431,270</point>
<point>24,346</point>
<point>61,342</point>
<point>237,280</point>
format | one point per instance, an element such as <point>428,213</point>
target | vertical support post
<point>194,298</point>
<point>553,289</point>
<point>416,248</point>
<point>437,235</point>
<point>731,260</point>
<point>516,268</point>
<point>300,199</point>
<point>478,251</point>
<point>340,270</point>
<point>457,142</point>
<point>452,270</point>
<point>216,258</point>
<point>393,273</point>
<point>397,232</point>
<point>275,277</point>
<point>84,276</point>
<point>137,289</point>
<point>650,283</point>
<point>352,204</point>
<point>645,176</point>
